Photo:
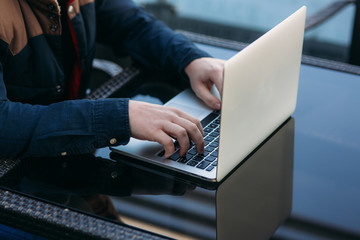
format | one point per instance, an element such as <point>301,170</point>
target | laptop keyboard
<point>208,160</point>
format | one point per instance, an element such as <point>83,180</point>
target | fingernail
<point>217,106</point>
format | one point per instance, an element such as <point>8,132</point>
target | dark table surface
<point>302,182</point>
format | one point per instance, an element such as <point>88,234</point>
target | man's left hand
<point>203,74</point>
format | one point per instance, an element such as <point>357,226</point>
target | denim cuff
<point>111,122</point>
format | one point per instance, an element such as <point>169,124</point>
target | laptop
<point>259,94</point>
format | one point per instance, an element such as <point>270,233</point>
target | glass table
<point>301,182</point>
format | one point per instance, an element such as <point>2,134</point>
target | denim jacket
<point>39,71</point>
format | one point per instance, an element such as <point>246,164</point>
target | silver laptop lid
<point>260,90</point>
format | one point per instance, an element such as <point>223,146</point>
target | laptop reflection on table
<point>257,198</point>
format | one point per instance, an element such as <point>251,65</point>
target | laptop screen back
<point>260,90</point>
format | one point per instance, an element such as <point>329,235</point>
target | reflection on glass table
<point>251,203</point>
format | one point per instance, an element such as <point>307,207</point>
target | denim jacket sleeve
<point>69,127</point>
<point>126,26</point>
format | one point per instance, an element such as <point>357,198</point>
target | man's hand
<point>161,124</point>
<point>203,74</point>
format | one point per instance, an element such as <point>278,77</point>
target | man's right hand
<point>162,124</point>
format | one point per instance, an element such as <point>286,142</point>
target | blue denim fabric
<point>130,29</point>
<point>80,126</point>
<point>74,127</point>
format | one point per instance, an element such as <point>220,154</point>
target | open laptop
<point>259,94</point>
